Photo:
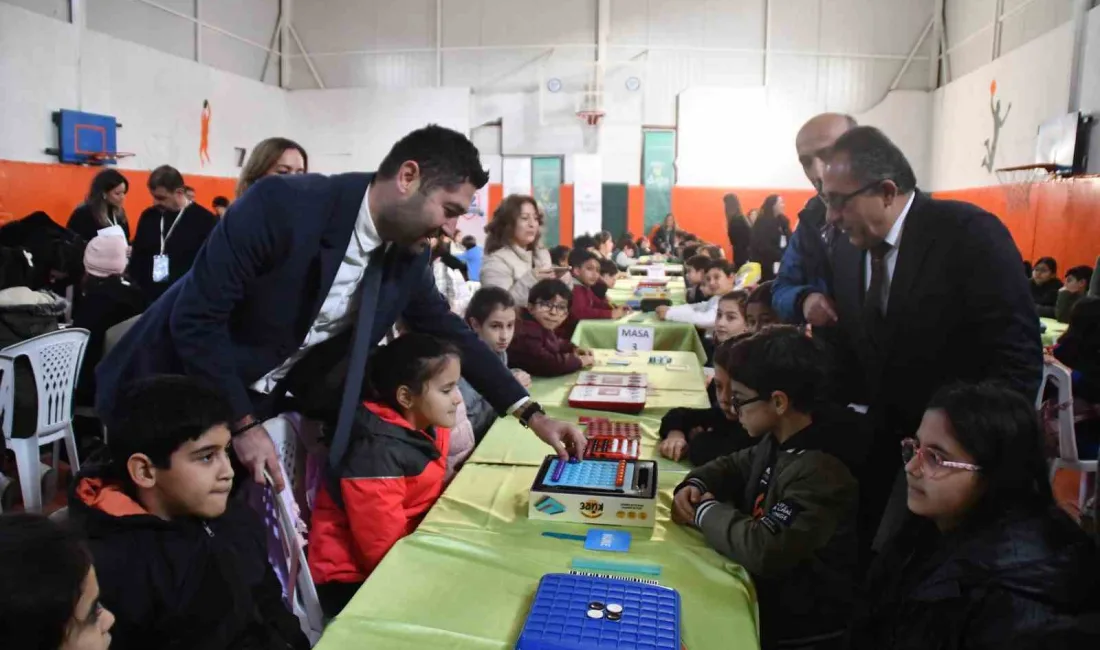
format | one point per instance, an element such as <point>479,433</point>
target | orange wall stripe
<point>496,195</point>
<point>635,210</point>
<point>565,214</point>
<point>701,210</point>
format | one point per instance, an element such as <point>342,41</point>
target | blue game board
<point>648,616</point>
<point>598,474</point>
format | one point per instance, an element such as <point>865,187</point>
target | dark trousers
<point>334,596</point>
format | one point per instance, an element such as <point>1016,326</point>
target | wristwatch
<point>529,410</point>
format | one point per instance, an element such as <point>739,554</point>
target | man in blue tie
<point>302,277</point>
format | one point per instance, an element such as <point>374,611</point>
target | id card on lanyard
<point>160,262</point>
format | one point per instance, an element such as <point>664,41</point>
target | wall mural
<point>204,134</point>
<point>998,122</point>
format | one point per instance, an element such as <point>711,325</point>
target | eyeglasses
<point>553,307</point>
<point>931,460</point>
<point>837,202</point>
<point>738,404</point>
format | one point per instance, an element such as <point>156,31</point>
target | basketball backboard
<point>85,138</point>
<point>1063,141</point>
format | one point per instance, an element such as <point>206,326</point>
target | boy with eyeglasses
<point>785,508</point>
<point>536,346</point>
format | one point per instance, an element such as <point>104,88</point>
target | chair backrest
<point>55,359</point>
<point>1067,441</point>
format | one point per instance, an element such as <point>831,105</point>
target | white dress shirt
<point>891,258</point>
<point>342,302</point>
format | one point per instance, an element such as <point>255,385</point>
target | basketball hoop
<point>591,118</point>
<point>101,158</point>
<point>1016,182</point>
<point>590,128</point>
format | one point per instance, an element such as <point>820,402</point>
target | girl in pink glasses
<point>987,559</point>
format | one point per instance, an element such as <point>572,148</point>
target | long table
<point>681,337</point>
<point>1054,330</point>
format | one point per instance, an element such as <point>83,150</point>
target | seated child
<point>695,272</point>
<point>1077,286</point>
<point>559,256</point>
<point>536,347</point>
<point>785,508</point>
<point>492,314</point>
<point>986,558</point>
<point>627,253</point>
<point>719,282</point>
<point>758,310</point>
<point>713,252</point>
<point>179,563</point>
<point>393,470</point>
<point>586,304</point>
<point>609,275</point>
<point>689,251</point>
<point>701,435</point>
<point>644,247</point>
<point>50,599</point>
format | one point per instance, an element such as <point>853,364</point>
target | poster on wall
<point>516,175</point>
<point>546,178</point>
<point>587,193</point>
<point>658,160</point>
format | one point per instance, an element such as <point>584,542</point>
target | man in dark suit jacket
<point>307,267</point>
<point>931,293</point>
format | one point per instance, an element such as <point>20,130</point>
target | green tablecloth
<point>642,268</point>
<point>1054,331</point>
<point>465,579</point>
<point>666,336</point>
<point>625,287</point>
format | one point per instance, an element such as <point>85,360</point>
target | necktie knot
<point>879,250</point>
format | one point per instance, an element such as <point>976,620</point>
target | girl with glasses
<point>987,560</point>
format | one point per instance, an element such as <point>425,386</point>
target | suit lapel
<point>918,237</point>
<point>335,239</point>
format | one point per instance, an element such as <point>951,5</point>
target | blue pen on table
<point>577,538</point>
<point>615,567</point>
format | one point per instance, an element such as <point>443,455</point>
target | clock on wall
<point>633,83</point>
<point>553,84</point>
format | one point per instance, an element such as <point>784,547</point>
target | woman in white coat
<point>514,258</point>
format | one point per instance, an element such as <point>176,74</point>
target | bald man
<point>801,292</point>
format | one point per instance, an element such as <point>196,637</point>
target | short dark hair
<point>625,242</point>
<point>874,157</point>
<point>485,301</point>
<point>641,240</point>
<point>1000,428</point>
<point>690,251</point>
<point>584,241</point>
<point>409,360</point>
<point>607,267</point>
<point>188,188</point>
<point>1049,263</point>
<point>446,158</point>
<point>712,251</point>
<point>738,296</point>
<point>780,358</point>
<point>220,202</point>
<point>469,241</point>
<point>157,415</point>
<point>725,266</point>
<point>699,263</point>
<point>761,294</point>
<point>43,566</point>
<point>1080,273</point>
<point>546,290</point>
<point>578,256</point>
<point>559,255</point>
<point>167,177</point>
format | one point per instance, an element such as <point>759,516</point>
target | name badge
<point>160,268</point>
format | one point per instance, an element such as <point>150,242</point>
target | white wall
<point>1090,86</point>
<point>1034,78</point>
<point>972,24</point>
<point>46,65</point>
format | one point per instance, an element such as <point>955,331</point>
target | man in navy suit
<point>307,267</point>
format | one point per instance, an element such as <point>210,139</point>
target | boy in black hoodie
<point>180,564</point>
<point>785,508</point>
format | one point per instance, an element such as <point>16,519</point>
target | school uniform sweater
<point>195,225</point>
<point>587,305</point>
<point>539,351</point>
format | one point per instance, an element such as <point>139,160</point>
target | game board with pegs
<point>611,440</point>
<point>581,612</point>
<point>615,492</point>
<point>622,399</point>
<point>629,379</point>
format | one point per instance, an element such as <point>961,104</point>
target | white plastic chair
<point>307,606</point>
<point>1067,439</point>
<point>55,360</point>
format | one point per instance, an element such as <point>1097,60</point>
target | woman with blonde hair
<point>273,156</point>
<point>514,257</point>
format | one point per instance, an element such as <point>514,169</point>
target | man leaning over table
<point>324,266</point>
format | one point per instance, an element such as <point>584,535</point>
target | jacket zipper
<point>207,529</point>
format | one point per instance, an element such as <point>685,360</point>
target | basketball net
<point>1017,182</point>
<point>590,129</point>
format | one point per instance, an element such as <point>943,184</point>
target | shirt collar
<point>894,236</point>
<point>366,233</point>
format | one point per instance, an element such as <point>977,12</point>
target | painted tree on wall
<point>998,122</point>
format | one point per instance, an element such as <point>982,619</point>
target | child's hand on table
<point>683,504</point>
<point>587,361</point>
<point>522,377</point>
<point>662,310</point>
<point>619,312</point>
<point>674,446</point>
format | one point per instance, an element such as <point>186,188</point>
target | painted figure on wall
<point>204,134</point>
<point>998,122</point>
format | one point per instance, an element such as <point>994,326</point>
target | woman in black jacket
<point>738,230</point>
<point>770,235</point>
<point>667,238</point>
<point>1045,286</point>
<point>103,206</point>
<point>988,560</point>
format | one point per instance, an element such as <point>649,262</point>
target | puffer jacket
<point>797,538</point>
<point>25,314</point>
<point>1028,581</point>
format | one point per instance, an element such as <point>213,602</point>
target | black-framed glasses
<point>738,404</point>
<point>553,307</point>
<point>837,202</point>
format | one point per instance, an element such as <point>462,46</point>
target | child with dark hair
<point>1076,287</point>
<point>986,560</point>
<point>690,251</point>
<point>695,272</point>
<point>758,309</point>
<point>713,252</point>
<point>492,314</point>
<point>586,304</point>
<point>559,256</point>
<point>719,281</point>
<point>1045,285</point>
<point>536,347</point>
<point>50,599</point>
<point>784,508</point>
<point>220,205</point>
<point>701,435</point>
<point>644,247</point>
<point>179,563</point>
<point>609,276</point>
<point>393,470</point>
<point>627,254</point>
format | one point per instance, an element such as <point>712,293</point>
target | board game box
<point>621,399</point>
<point>583,612</point>
<point>629,379</point>
<point>611,440</point>
<point>609,492</point>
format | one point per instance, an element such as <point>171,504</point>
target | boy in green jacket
<point>784,509</point>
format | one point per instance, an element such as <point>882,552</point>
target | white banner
<point>517,175</point>
<point>587,194</point>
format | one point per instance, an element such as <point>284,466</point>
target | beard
<point>405,224</point>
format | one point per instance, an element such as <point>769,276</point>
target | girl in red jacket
<point>393,470</point>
